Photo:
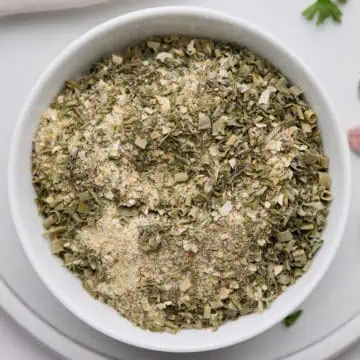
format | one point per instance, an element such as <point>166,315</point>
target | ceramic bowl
<point>115,35</point>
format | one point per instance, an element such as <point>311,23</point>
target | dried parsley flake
<point>291,319</point>
<point>183,181</point>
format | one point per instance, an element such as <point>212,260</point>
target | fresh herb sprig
<point>324,9</point>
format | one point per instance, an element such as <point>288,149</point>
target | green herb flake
<point>291,319</point>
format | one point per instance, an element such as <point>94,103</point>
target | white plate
<point>331,319</point>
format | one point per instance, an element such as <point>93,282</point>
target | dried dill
<point>183,181</point>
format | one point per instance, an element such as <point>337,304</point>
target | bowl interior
<point>115,35</point>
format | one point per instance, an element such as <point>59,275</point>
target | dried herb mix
<point>183,181</point>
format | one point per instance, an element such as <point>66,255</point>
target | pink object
<point>354,139</point>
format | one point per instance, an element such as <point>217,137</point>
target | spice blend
<point>183,181</point>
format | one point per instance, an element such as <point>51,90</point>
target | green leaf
<point>323,9</point>
<point>292,318</point>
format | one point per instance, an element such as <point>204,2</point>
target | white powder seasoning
<point>117,246</point>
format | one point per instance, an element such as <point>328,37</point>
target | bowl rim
<point>143,15</point>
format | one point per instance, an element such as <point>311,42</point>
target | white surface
<point>15,344</point>
<point>25,6</point>
<point>28,43</point>
<point>117,34</point>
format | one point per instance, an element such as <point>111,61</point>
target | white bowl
<point>115,35</point>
